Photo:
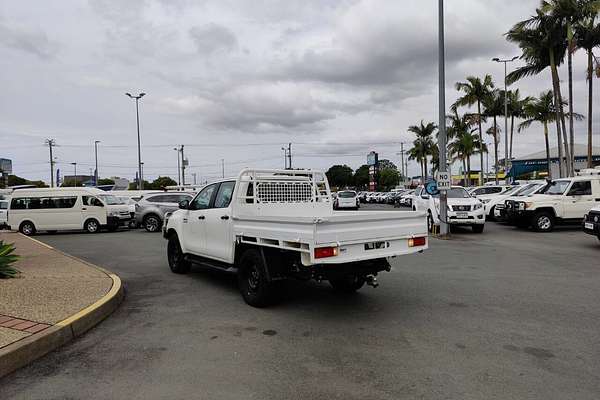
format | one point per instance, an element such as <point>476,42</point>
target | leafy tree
<point>105,181</point>
<point>339,175</point>
<point>14,180</point>
<point>7,259</point>
<point>386,164</point>
<point>464,144</point>
<point>475,90</point>
<point>389,178</point>
<point>133,185</point>
<point>161,182</point>
<point>361,177</point>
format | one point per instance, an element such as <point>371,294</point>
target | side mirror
<point>184,204</point>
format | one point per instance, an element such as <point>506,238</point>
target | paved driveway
<point>505,314</point>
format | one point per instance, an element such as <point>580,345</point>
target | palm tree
<point>423,143</point>
<point>570,13</point>
<point>464,144</point>
<point>541,110</point>
<point>516,108</point>
<point>541,39</point>
<point>475,90</point>
<point>494,107</point>
<point>587,36</point>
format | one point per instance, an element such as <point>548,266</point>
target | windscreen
<point>346,194</point>
<point>557,187</point>
<point>110,199</point>
<point>456,193</point>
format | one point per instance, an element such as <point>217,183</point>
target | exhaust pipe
<point>372,281</point>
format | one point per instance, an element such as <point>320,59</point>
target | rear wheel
<point>491,214</point>
<point>27,228</point>
<point>429,222</point>
<point>543,221</point>
<point>152,223</point>
<point>478,228</point>
<point>256,289</point>
<point>348,284</point>
<point>175,256</point>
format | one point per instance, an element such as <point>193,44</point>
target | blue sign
<point>431,188</point>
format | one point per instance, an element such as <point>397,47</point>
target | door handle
<point>83,209</point>
<point>224,216</point>
<point>201,217</point>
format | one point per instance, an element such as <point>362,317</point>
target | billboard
<point>372,158</point>
<point>6,166</point>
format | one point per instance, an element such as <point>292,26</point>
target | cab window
<point>581,188</point>
<point>224,194</point>
<point>202,200</point>
<point>91,201</point>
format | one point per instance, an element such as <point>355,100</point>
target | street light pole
<point>442,118</point>
<point>96,156</point>
<point>506,161</point>
<point>137,117</point>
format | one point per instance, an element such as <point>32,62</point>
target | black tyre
<point>490,216</point>
<point>175,256</point>
<point>27,228</point>
<point>256,289</point>
<point>91,226</point>
<point>348,284</point>
<point>542,221</point>
<point>152,223</point>
<point>478,228</point>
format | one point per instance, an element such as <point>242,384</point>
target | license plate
<point>589,225</point>
<point>462,215</point>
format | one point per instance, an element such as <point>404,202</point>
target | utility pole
<point>223,167</point>
<point>96,156</point>
<point>182,167</point>
<point>51,143</point>
<point>442,118</point>
<point>137,117</point>
<point>290,155</point>
<point>178,167</point>
<point>506,160</point>
<point>74,164</point>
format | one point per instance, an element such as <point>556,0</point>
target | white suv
<point>564,201</point>
<point>346,199</point>
<point>463,209</point>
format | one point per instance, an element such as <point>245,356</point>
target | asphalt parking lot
<point>507,314</point>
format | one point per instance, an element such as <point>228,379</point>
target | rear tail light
<point>418,241</point>
<point>324,252</point>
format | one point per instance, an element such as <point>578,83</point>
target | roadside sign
<point>431,188</point>
<point>443,180</point>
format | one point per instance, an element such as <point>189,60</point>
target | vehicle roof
<point>96,191</point>
<point>579,178</point>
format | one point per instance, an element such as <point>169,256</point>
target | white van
<point>32,210</point>
<point>3,214</point>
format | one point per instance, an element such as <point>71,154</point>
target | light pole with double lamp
<point>178,166</point>
<point>506,161</point>
<point>137,117</point>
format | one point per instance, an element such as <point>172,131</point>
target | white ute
<point>271,225</point>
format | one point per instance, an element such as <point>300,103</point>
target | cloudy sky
<point>236,80</point>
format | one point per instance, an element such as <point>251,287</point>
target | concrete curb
<point>24,351</point>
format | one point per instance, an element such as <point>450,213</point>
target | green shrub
<point>6,259</point>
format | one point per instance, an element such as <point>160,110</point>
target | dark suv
<point>151,209</point>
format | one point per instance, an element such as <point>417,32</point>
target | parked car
<point>346,199</point>
<point>3,214</point>
<point>497,205</point>
<point>406,198</point>
<point>591,222</point>
<point>564,201</point>
<point>151,209</point>
<point>57,209</point>
<point>270,225</point>
<point>463,209</point>
<point>488,190</point>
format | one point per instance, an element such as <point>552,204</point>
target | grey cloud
<point>30,40</point>
<point>212,37</point>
